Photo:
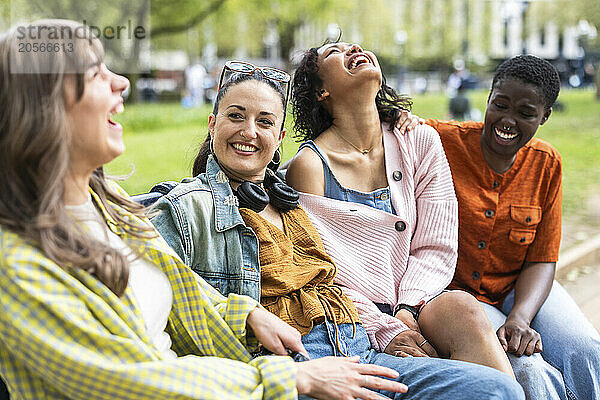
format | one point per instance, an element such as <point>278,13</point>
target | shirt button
<point>400,226</point>
<point>476,275</point>
<point>522,240</point>
<point>489,213</point>
<point>384,196</point>
<point>397,175</point>
<point>495,185</point>
<point>481,244</point>
<point>528,219</point>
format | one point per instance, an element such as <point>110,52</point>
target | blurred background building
<point>419,42</point>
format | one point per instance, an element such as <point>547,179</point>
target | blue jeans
<point>426,378</point>
<point>569,366</point>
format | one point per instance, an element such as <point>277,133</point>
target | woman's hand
<point>274,334</point>
<point>410,343</point>
<point>408,319</point>
<point>344,378</point>
<point>407,121</point>
<point>518,338</point>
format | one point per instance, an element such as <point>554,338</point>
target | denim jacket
<point>200,220</point>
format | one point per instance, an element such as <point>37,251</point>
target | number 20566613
<point>45,47</point>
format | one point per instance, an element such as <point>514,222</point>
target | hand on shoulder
<point>408,121</point>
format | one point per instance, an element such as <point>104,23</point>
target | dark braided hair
<point>533,70</point>
<point>311,118</point>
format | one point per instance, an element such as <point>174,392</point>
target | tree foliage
<point>177,16</point>
<point>437,31</point>
<point>159,17</point>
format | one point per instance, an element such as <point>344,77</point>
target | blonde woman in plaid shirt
<point>93,303</point>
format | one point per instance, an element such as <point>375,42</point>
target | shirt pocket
<point>528,216</point>
<point>521,236</point>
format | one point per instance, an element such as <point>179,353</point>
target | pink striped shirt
<point>378,261</point>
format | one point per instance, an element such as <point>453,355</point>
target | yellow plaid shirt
<point>64,335</point>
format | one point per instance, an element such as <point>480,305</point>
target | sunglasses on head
<point>273,74</point>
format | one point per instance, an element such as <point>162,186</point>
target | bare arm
<point>531,290</point>
<point>535,280</point>
<point>305,173</point>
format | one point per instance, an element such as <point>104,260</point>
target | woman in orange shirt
<point>509,191</point>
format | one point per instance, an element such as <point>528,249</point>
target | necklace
<point>363,152</point>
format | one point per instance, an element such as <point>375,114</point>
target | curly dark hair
<point>533,70</point>
<point>311,119</point>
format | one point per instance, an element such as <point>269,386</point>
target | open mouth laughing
<point>117,109</point>
<point>357,60</point>
<point>505,135</point>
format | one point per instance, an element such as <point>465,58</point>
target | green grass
<point>575,132</point>
<point>162,140</point>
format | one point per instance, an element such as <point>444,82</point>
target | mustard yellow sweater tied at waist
<point>297,274</point>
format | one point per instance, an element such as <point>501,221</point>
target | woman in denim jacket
<point>215,223</point>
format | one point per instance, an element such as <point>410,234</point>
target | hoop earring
<point>274,163</point>
<point>277,157</point>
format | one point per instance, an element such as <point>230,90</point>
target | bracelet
<point>413,310</point>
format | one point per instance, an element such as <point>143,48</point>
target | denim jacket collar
<point>225,202</point>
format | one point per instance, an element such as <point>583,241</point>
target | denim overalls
<point>379,199</point>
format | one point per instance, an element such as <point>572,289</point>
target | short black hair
<point>533,70</point>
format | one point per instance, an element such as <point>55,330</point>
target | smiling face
<point>514,112</point>
<point>95,138</point>
<point>246,131</point>
<point>344,67</point>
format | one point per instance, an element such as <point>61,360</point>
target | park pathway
<point>583,283</point>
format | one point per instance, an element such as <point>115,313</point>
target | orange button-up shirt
<point>504,219</point>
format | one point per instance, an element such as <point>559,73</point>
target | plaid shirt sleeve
<point>233,309</point>
<point>229,310</point>
<point>65,335</point>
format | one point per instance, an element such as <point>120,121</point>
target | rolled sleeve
<point>548,233</point>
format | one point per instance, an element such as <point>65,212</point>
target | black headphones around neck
<point>282,196</point>
<point>252,195</point>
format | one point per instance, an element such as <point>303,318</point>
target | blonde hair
<point>34,155</point>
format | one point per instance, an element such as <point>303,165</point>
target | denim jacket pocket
<point>219,284</point>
